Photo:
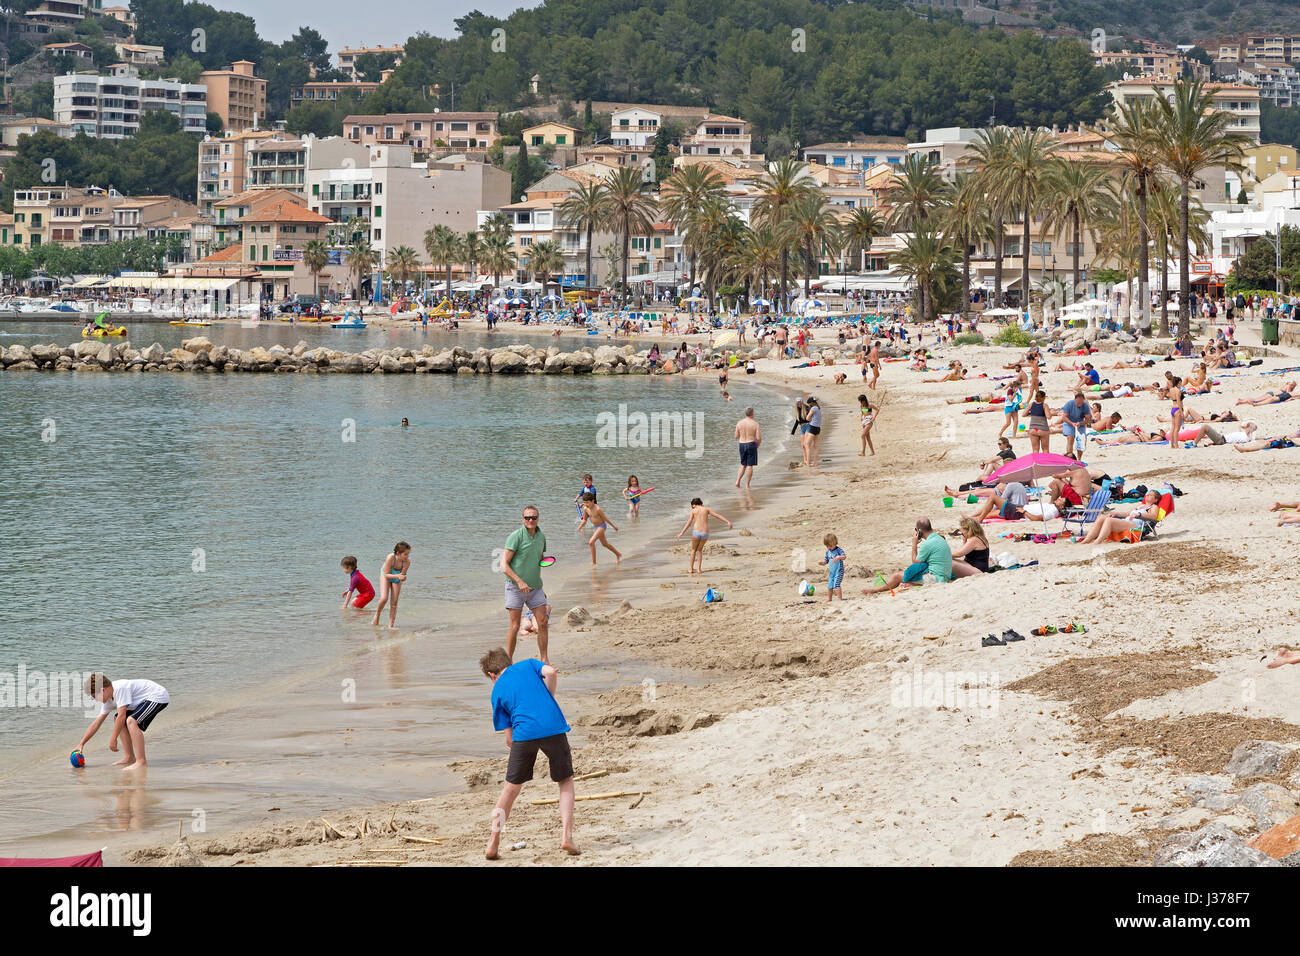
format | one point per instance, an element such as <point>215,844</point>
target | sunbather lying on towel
<point>1265,444</point>
<point>1284,394</point>
<point>1208,433</point>
<point>1293,517</point>
<point>1135,436</point>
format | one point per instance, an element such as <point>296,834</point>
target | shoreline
<point>804,745</point>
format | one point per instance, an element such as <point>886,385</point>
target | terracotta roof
<point>232,253</point>
<point>286,211</point>
<point>258,197</point>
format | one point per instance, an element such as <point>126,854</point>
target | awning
<point>88,281</point>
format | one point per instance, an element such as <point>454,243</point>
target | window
<point>417,126</point>
<point>537,140</point>
<point>837,161</point>
<point>379,212</point>
<point>370,131</point>
<point>658,242</point>
<point>378,233</point>
<point>379,189</point>
<point>315,189</point>
<point>266,253</point>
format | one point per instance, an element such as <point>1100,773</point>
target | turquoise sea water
<point>188,529</point>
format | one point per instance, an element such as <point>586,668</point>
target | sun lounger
<point>1086,515</point>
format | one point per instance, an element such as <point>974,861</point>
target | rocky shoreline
<point>200,355</point>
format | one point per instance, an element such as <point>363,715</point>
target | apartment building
<point>857,156</point>
<point>1264,160</point>
<point>274,238</point>
<point>236,95</point>
<point>75,216</point>
<point>634,126</point>
<point>329,92</point>
<point>223,163</point>
<point>618,156</point>
<point>534,219</point>
<point>424,131</point>
<point>717,135</point>
<point>110,106</point>
<point>1239,100</point>
<point>1268,48</point>
<point>1152,63</point>
<point>228,213</point>
<point>550,134</point>
<point>347,57</point>
<point>402,199</point>
<point>51,16</point>
<point>278,163</point>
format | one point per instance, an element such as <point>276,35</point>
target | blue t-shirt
<point>521,702</point>
<point>1093,376</point>
<point>1075,412</point>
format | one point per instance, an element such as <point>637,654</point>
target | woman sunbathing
<point>955,374</point>
<point>1268,444</point>
<point>1107,525</point>
<point>982,397</point>
<point>1284,394</point>
<point>1136,436</point>
<point>1293,518</point>
<point>1138,362</point>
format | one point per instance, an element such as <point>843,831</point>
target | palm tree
<point>787,180</point>
<point>966,219</point>
<point>445,248</point>
<point>815,226</point>
<point>472,248</point>
<point>361,259</point>
<point>1075,197</point>
<point>1133,130</point>
<point>758,260</point>
<point>916,191</point>
<point>1193,136</point>
<point>990,150</point>
<point>1022,173</point>
<point>1166,220</point>
<point>925,258</point>
<point>544,259</point>
<point>682,196</point>
<point>316,257</point>
<point>629,207</point>
<point>498,224</point>
<point>498,256</point>
<point>716,220</point>
<point>862,227</point>
<point>403,263</point>
<point>585,209</point>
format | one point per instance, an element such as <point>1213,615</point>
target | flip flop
<point>1074,628</point>
<point>1043,630</point>
<point>1009,636</point>
<point>992,641</point>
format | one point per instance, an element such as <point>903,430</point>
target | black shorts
<point>749,454</point>
<point>523,755</point>
<point>814,429</point>
<point>144,713</point>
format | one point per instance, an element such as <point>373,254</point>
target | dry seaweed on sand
<point>1097,686</point>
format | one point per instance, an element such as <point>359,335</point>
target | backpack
<point>1241,301</point>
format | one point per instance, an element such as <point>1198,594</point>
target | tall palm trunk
<point>808,261</point>
<point>1164,283</point>
<point>1144,260</point>
<point>998,241</point>
<point>1074,279</point>
<point>1024,265</point>
<point>587,274</point>
<point>627,249</point>
<point>785,274</point>
<point>965,277</point>
<point>1184,278</point>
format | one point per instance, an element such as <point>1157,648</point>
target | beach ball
<point>77,759</point>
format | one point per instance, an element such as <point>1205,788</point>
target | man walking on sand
<point>522,564</point>
<point>749,437</point>
<point>524,706</point>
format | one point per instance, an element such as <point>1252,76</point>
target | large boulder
<point>181,356</point>
<point>219,356</point>
<point>581,361</point>
<point>105,356</point>
<point>45,354</point>
<point>1212,845</point>
<point>261,356</point>
<point>387,363</point>
<point>556,363</point>
<point>442,362</point>
<point>607,355</point>
<point>87,348</point>
<point>17,354</point>
<point>1269,803</point>
<point>1254,758</point>
<point>154,354</point>
<point>507,362</point>
<point>197,344</point>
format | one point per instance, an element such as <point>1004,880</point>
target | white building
<point>110,107</point>
<point>1237,99</point>
<point>856,155</point>
<point>719,136</point>
<point>634,126</point>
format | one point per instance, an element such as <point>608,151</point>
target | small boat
<point>194,322</point>
<point>350,321</point>
<point>101,333</point>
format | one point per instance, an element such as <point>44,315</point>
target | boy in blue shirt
<point>523,705</point>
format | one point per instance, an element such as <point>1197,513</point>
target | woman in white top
<point>868,419</point>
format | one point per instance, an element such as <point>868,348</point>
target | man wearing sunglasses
<point>522,564</point>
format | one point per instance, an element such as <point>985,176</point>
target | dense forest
<point>1171,21</point>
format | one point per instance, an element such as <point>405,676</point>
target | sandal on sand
<point>1043,630</point>
<point>1009,636</point>
<point>992,641</point>
<point>1074,628</point>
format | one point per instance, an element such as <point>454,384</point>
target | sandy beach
<point>878,730</point>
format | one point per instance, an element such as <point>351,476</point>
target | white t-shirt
<point>1237,438</point>
<point>129,693</point>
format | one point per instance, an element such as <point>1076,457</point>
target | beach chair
<point>1166,508</point>
<point>1086,515</point>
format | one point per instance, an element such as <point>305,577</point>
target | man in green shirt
<point>522,564</point>
<point>930,553</point>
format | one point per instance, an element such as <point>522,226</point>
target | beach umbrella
<point>1029,468</point>
<point>761,303</point>
<point>726,337</point>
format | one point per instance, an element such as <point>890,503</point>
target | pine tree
<point>519,181</point>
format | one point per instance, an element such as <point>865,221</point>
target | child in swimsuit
<point>357,583</point>
<point>391,577</point>
<point>834,562</point>
<point>599,521</point>
<point>633,495</point>
<point>698,523</point>
<point>588,486</point>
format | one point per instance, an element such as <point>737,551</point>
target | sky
<point>373,23</point>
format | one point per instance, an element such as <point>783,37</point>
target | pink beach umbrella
<point>1029,468</point>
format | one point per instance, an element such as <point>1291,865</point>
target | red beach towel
<point>88,859</point>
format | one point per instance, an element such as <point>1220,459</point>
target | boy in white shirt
<point>136,703</point>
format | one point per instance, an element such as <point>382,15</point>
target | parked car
<point>301,300</point>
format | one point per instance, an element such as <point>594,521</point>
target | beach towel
<point>87,859</point>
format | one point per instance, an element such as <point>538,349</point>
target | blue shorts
<point>915,572</point>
